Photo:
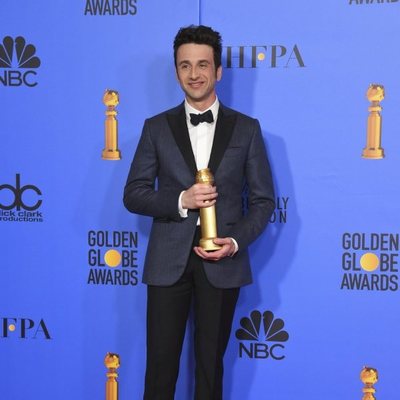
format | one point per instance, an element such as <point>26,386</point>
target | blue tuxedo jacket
<point>164,166</point>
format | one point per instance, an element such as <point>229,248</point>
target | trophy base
<point>208,245</point>
<point>373,154</point>
<point>111,155</point>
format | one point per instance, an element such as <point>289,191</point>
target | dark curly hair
<point>200,35</point>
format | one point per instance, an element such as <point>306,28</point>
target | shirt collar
<point>191,110</point>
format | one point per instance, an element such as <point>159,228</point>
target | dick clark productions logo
<point>20,203</point>
<point>18,62</point>
<point>262,336</point>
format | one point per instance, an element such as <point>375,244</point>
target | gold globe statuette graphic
<point>369,376</point>
<point>373,149</point>
<point>208,220</point>
<point>110,151</point>
<point>112,362</point>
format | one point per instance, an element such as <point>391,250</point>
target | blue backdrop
<point>326,269</point>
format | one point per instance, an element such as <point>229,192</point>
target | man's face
<point>195,70</point>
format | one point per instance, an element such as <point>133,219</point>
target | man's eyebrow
<point>198,62</point>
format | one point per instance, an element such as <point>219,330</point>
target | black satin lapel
<point>177,123</point>
<point>222,136</point>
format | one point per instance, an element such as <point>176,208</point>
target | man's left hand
<point>227,250</point>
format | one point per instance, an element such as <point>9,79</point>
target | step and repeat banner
<point>322,78</point>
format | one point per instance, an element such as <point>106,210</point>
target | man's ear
<point>219,73</point>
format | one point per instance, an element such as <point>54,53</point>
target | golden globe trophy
<point>369,376</point>
<point>373,149</point>
<point>111,152</point>
<point>208,221</point>
<point>112,362</point>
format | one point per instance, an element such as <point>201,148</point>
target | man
<point>161,184</point>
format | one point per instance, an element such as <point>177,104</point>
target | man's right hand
<point>200,195</point>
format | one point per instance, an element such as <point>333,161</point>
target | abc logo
<point>18,196</point>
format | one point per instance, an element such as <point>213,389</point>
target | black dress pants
<point>167,313</point>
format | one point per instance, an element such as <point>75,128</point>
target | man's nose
<point>194,73</point>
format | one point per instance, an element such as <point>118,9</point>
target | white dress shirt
<point>202,135</point>
<point>201,138</point>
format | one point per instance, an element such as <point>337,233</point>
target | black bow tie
<point>195,119</point>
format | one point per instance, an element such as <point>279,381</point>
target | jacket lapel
<point>177,123</point>
<point>223,133</point>
<point>222,136</point>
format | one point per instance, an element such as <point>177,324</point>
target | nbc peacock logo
<point>17,62</point>
<point>252,338</point>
